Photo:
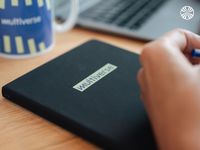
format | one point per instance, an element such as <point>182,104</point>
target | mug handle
<point>71,21</point>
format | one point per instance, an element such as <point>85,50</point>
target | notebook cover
<point>108,112</point>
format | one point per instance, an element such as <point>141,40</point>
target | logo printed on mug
<point>26,26</point>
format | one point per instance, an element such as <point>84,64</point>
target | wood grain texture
<point>23,130</point>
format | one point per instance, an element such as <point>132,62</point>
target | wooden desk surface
<point>23,130</point>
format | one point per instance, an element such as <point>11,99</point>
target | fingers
<point>183,40</point>
<point>169,49</point>
<point>163,56</point>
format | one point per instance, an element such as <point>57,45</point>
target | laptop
<point>91,91</point>
<point>142,19</point>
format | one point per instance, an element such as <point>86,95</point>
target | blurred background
<point>141,19</point>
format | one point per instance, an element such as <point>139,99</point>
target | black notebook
<point>91,91</point>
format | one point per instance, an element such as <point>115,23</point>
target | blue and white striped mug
<point>27,26</point>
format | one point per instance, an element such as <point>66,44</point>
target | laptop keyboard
<point>129,14</point>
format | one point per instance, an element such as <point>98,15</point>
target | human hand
<point>170,89</point>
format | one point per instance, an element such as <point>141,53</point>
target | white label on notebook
<point>95,77</point>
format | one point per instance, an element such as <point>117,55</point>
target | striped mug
<point>27,26</point>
